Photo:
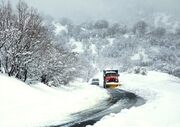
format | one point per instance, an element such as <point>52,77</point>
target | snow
<point>111,40</point>
<point>93,48</point>
<point>162,92</point>
<point>136,57</point>
<point>141,55</point>
<point>155,49</point>
<point>59,28</point>
<point>78,46</point>
<point>126,35</point>
<point>40,105</point>
<point>22,105</point>
<point>164,20</point>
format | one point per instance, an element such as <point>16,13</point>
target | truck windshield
<point>111,74</point>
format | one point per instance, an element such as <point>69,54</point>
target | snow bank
<point>162,92</point>
<point>39,105</point>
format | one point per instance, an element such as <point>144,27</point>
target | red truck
<point>111,78</point>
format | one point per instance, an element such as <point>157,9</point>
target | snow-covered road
<point>120,99</point>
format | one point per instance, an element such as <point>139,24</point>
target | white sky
<point>115,10</point>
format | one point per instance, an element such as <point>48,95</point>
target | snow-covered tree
<point>28,50</point>
<point>100,24</point>
<point>140,28</point>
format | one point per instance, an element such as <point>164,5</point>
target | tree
<point>100,24</point>
<point>178,32</point>
<point>159,32</point>
<point>140,28</point>
<point>23,35</point>
<point>117,29</point>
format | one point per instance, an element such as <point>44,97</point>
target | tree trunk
<point>6,66</point>
<point>44,79</point>
<point>10,73</point>
<point>0,67</point>
<point>25,74</point>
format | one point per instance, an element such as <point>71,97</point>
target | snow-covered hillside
<point>39,105</point>
<point>162,92</point>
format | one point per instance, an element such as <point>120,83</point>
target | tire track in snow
<point>119,99</point>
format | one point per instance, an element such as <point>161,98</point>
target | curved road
<point>119,100</point>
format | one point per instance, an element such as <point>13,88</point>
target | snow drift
<point>39,105</point>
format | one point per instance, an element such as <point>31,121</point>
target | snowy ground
<point>39,105</point>
<point>162,93</point>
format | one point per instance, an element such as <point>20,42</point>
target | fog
<point>113,10</point>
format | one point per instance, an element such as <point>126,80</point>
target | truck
<point>110,78</point>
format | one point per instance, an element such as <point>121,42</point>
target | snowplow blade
<point>112,85</point>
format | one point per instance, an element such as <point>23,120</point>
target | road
<point>119,100</point>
